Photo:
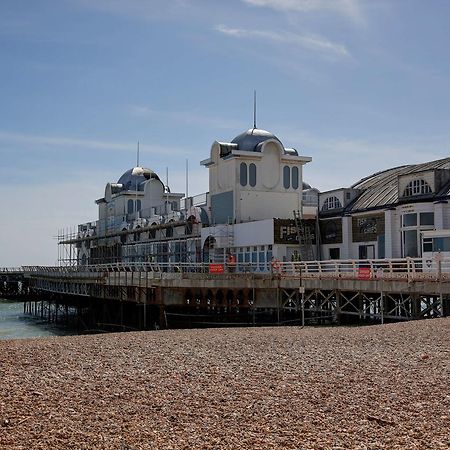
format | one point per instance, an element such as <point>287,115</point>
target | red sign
<point>216,268</point>
<point>364,273</point>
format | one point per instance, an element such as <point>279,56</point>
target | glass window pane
<point>441,244</point>
<point>410,220</point>
<point>428,245</point>
<point>252,175</point>
<point>130,206</point>
<point>295,177</point>
<point>286,177</point>
<point>243,174</point>
<point>427,218</point>
<point>410,241</point>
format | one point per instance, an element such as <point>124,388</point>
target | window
<point>130,207</point>
<point>295,177</point>
<point>243,174</point>
<point>410,220</point>
<point>441,244</point>
<point>410,244</point>
<point>381,241</point>
<point>413,224</point>
<point>427,244</point>
<point>262,260</point>
<point>427,218</point>
<point>252,175</point>
<point>335,253</point>
<point>286,177</point>
<point>366,252</point>
<point>123,237</point>
<point>138,205</point>
<point>331,203</point>
<point>417,187</point>
<point>152,232</point>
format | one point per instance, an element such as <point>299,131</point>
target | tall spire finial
<point>137,160</point>
<point>254,109</point>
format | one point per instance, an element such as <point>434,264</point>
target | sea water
<point>14,324</point>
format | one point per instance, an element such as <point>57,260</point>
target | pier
<point>12,283</point>
<point>146,296</point>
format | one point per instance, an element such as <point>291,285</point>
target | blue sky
<point>358,85</point>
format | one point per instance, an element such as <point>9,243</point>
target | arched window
<point>243,174</point>
<point>417,187</point>
<point>138,205</point>
<point>331,203</point>
<point>130,207</point>
<point>295,177</point>
<point>169,230</point>
<point>152,232</point>
<point>286,177</point>
<point>123,237</point>
<point>189,225</point>
<point>252,175</point>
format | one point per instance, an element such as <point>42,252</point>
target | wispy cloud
<point>149,10</point>
<point>310,42</point>
<point>342,161</point>
<point>70,143</point>
<point>186,117</point>
<point>347,8</point>
<point>60,141</point>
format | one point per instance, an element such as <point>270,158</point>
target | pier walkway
<point>338,291</point>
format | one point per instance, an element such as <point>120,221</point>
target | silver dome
<point>249,140</point>
<point>135,177</point>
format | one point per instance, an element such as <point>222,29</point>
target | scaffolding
<point>168,242</point>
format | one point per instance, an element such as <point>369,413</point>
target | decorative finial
<point>137,162</point>
<point>254,109</point>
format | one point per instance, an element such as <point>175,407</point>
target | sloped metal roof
<point>381,188</point>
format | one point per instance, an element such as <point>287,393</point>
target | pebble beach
<point>374,387</point>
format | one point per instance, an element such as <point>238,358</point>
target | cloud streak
<point>311,42</point>
<point>25,141</point>
<point>60,141</point>
<point>342,161</point>
<point>347,8</point>
<point>185,117</point>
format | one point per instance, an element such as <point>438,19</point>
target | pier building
<point>387,214</point>
<point>253,212</point>
<point>260,246</point>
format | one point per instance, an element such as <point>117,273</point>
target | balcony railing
<point>408,269</point>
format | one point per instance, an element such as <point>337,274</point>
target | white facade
<point>255,185</point>
<point>387,214</point>
<point>252,180</point>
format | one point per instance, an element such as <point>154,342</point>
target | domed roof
<point>135,177</point>
<point>250,139</point>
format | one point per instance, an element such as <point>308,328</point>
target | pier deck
<point>302,292</point>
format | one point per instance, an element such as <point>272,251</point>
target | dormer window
<point>331,203</point>
<point>417,187</point>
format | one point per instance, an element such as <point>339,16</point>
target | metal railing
<point>393,269</point>
<point>11,270</point>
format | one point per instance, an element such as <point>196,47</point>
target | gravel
<point>377,387</point>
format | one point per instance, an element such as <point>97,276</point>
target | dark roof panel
<point>381,188</point>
